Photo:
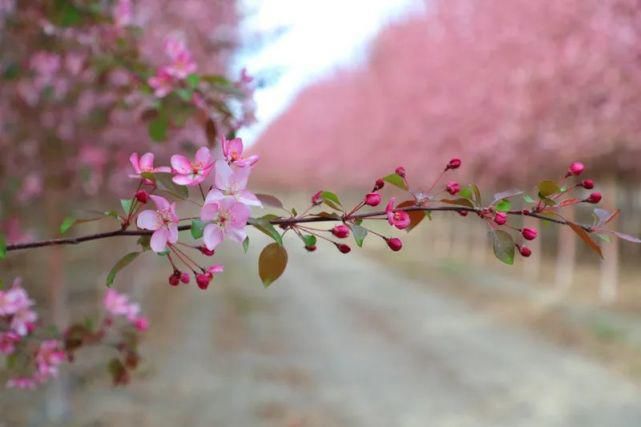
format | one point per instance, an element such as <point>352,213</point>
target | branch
<point>281,221</point>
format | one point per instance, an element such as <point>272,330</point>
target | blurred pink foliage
<point>502,82</point>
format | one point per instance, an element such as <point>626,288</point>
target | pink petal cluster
<point>399,219</point>
<point>231,182</point>
<point>123,13</point>
<point>49,356</point>
<point>187,172</point>
<point>15,306</point>
<point>119,305</point>
<point>227,218</point>
<point>163,222</point>
<point>162,83</point>
<point>145,164</point>
<point>233,151</point>
<point>181,65</point>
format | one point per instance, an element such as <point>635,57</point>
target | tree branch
<point>285,222</point>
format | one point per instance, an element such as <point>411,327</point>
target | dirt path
<point>341,341</point>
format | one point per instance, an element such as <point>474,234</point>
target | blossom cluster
<point>225,208</point>
<point>181,65</point>
<point>38,355</point>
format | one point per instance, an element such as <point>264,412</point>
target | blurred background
<point>439,334</point>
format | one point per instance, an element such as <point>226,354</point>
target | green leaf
<point>272,263</point>
<point>503,244</point>
<point>197,227</point>
<point>67,223</point>
<point>309,239</point>
<point>396,180</point>
<point>528,199</point>
<point>3,246</point>
<point>246,244</point>
<point>503,206</point>
<point>185,94</point>
<point>193,80</point>
<point>331,200</point>
<point>359,234</point>
<point>144,242</point>
<point>126,205</point>
<point>157,128</point>
<point>122,263</point>
<point>112,214</point>
<point>466,193</point>
<point>548,188</point>
<point>166,182</point>
<point>266,227</point>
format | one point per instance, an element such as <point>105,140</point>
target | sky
<point>317,36</point>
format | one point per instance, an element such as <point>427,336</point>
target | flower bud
<point>343,248</point>
<point>379,184</point>
<point>500,218</point>
<point>341,231</point>
<point>395,244</point>
<point>588,184</point>
<point>372,199</point>
<point>205,251</point>
<point>525,251</point>
<point>455,163</point>
<point>453,187</point>
<point>529,233</point>
<point>594,198</point>
<point>174,279</point>
<point>142,196</point>
<point>184,278</point>
<point>400,171</point>
<point>317,198</point>
<point>576,169</point>
<point>310,248</point>
<point>462,213</point>
<point>203,280</point>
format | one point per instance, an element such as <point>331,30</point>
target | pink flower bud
<point>576,169</point>
<point>372,199</point>
<point>203,280</point>
<point>341,231</point>
<point>594,198</point>
<point>174,279</point>
<point>141,323</point>
<point>400,171</point>
<point>455,163</point>
<point>588,184</point>
<point>142,196</point>
<point>205,251</point>
<point>453,187</point>
<point>317,199</point>
<point>529,233</point>
<point>395,244</point>
<point>525,251</point>
<point>343,248</point>
<point>500,218</point>
<point>379,184</point>
<point>184,278</point>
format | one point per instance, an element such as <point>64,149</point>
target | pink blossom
<point>14,300</point>
<point>233,150</point>
<point>123,13</point>
<point>163,222</point>
<point>228,218</point>
<point>49,356</point>
<point>182,65</point>
<point>190,173</point>
<point>22,383</point>
<point>174,47</point>
<point>162,83</point>
<point>23,322</point>
<point>231,183</point>
<point>8,341</point>
<point>141,323</point>
<point>399,219</point>
<point>145,164</point>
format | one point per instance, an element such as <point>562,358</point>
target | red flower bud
<point>372,199</point>
<point>142,196</point>
<point>379,184</point>
<point>184,278</point>
<point>594,198</point>
<point>588,184</point>
<point>205,251</point>
<point>343,248</point>
<point>462,213</point>
<point>400,171</point>
<point>174,279</point>
<point>317,199</point>
<point>395,244</point>
<point>453,187</point>
<point>576,169</point>
<point>203,280</point>
<point>311,248</point>
<point>500,218</point>
<point>525,251</point>
<point>341,231</point>
<point>529,233</point>
<point>455,163</point>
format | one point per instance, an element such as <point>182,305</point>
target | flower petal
<point>223,175</point>
<point>158,241</point>
<point>161,202</point>
<point>248,198</point>
<point>212,236</point>
<point>203,155</point>
<point>173,233</point>
<point>146,161</point>
<point>149,220</point>
<point>181,164</point>
<point>214,196</point>
<point>135,163</point>
<point>209,212</point>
